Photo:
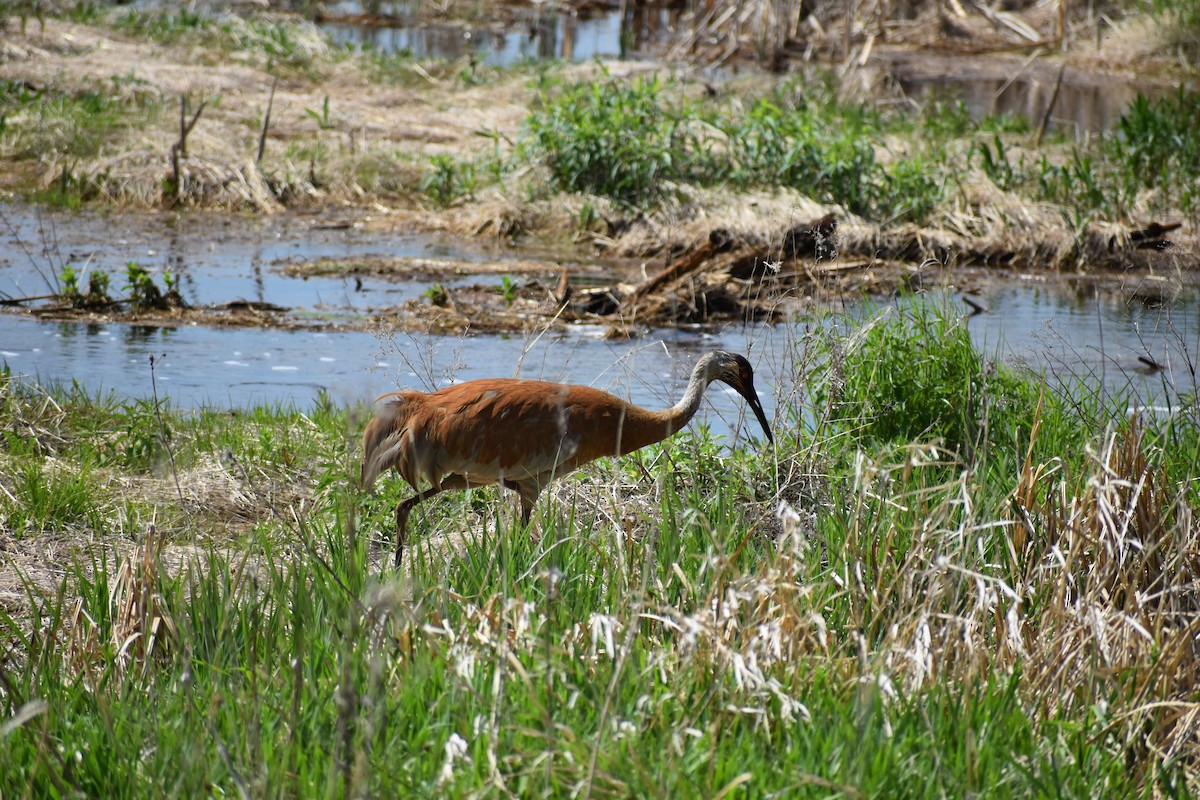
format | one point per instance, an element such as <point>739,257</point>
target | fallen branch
<point>16,301</point>
<point>689,263</point>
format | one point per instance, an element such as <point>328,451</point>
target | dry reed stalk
<point>772,32</point>
<point>142,629</point>
<point>136,179</point>
<point>1118,580</point>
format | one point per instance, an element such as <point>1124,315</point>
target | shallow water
<point>548,36</point>
<point>1070,337</point>
<point>1081,105</point>
<point>216,259</point>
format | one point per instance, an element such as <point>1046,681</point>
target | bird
<point>522,434</point>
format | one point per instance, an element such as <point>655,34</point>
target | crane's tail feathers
<point>382,443</point>
<point>386,395</point>
<point>379,460</point>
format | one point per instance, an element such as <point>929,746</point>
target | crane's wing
<point>499,430</point>
<point>487,431</point>
<point>388,439</point>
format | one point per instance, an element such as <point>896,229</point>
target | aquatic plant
<point>144,293</point>
<point>97,293</point>
<point>508,288</point>
<point>68,282</point>
<point>449,179</point>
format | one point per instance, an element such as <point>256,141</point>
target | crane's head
<point>736,371</point>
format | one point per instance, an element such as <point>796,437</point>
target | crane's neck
<point>643,427</point>
<point>682,412</point>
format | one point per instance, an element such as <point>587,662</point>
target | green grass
<point>889,385</point>
<point>946,580</point>
<point>48,500</point>
<point>1151,157</point>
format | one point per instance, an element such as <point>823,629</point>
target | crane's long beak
<point>752,398</point>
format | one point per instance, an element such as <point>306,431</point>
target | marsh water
<point>1069,335</point>
<point>540,36</point>
<point>1078,102</point>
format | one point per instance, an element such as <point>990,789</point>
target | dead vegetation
<point>773,34</point>
<point>159,515</point>
<point>1127,598</point>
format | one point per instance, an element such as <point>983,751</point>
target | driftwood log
<point>722,278</point>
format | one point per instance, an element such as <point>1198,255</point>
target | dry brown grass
<point>368,124</point>
<point>1117,582</point>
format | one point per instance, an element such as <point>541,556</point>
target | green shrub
<point>915,375</point>
<point>620,140</point>
<point>630,143</point>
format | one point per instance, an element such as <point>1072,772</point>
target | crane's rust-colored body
<point>522,434</point>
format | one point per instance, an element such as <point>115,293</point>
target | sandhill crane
<point>522,434</point>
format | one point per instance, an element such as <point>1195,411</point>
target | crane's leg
<point>403,509</point>
<point>529,491</point>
